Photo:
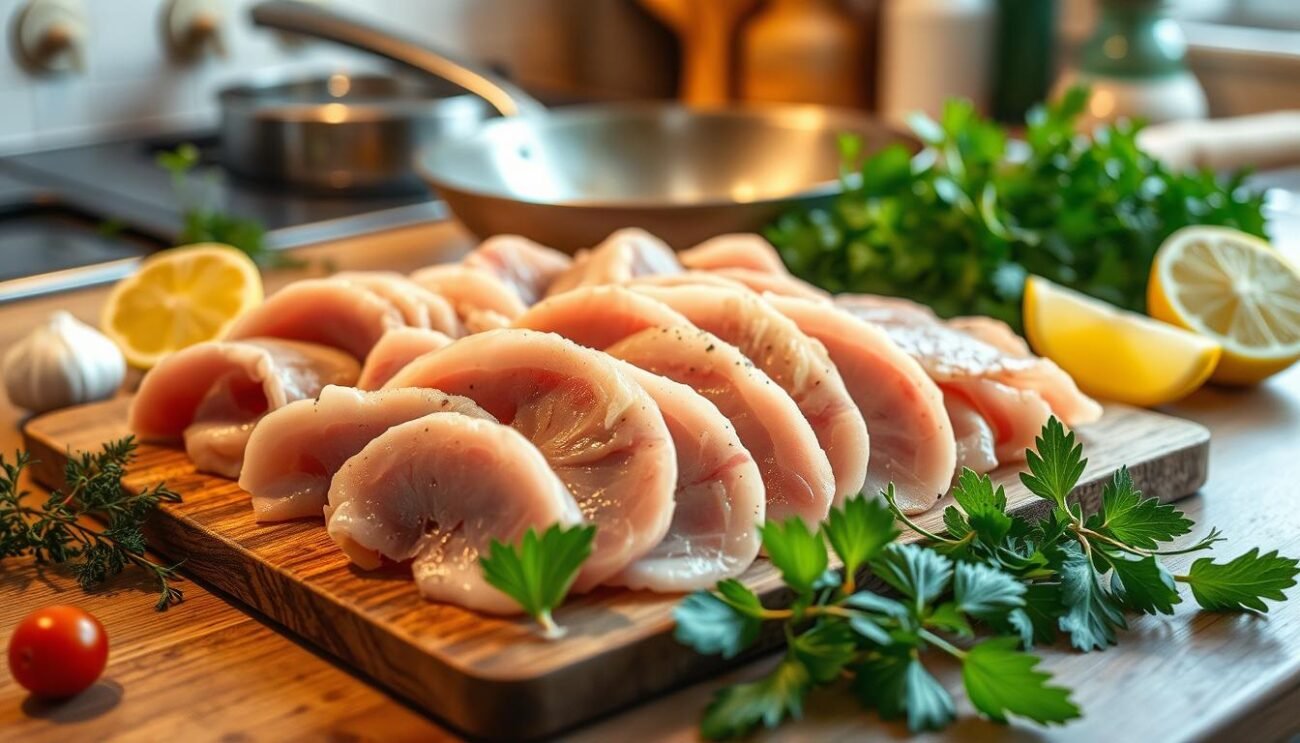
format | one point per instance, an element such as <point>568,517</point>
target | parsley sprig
<point>835,629</point>
<point>1085,572</point>
<point>984,592</point>
<point>56,532</point>
<point>538,571</point>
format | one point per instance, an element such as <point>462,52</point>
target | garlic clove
<point>62,362</point>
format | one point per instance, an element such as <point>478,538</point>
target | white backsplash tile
<point>130,85</point>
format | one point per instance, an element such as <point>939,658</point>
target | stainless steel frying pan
<point>569,177</point>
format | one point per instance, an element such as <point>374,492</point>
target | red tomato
<point>58,651</point>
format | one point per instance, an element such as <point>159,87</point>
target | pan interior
<point>652,155</point>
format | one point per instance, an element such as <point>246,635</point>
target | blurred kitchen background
<point>93,91</point>
<point>81,70</point>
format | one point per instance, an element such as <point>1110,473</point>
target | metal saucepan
<point>569,177</point>
<point>340,132</point>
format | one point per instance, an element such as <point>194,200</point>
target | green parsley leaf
<point>1036,621</point>
<point>985,592</point>
<point>896,684</point>
<point>738,709</point>
<point>725,622</point>
<point>538,572</point>
<point>949,617</point>
<point>1142,584</point>
<point>1091,615</point>
<point>1055,464</point>
<point>1241,583</point>
<point>1001,680</point>
<point>798,553</point>
<point>825,649</point>
<point>859,530</point>
<point>1136,521</point>
<point>985,506</point>
<point>916,572</point>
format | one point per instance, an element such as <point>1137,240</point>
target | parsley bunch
<point>55,531</point>
<point>960,226</point>
<point>993,575</point>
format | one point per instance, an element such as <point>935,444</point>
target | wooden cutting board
<point>493,677</point>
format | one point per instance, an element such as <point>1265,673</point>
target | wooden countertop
<point>209,669</point>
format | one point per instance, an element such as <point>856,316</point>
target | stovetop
<point>84,215</point>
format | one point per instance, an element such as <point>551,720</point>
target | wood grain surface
<point>489,676</point>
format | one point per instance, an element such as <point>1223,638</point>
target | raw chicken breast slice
<point>398,347</point>
<point>687,278</point>
<point>976,442</point>
<point>776,283</point>
<point>1015,416</point>
<point>526,266</point>
<point>330,312</point>
<point>993,332</point>
<point>473,293</point>
<point>795,470</point>
<point>623,256</point>
<point>436,491</point>
<point>209,395</point>
<point>739,250</point>
<point>794,361</point>
<point>912,443</point>
<point>599,316</point>
<point>295,450</point>
<point>599,430</point>
<point>420,307</point>
<point>719,501</point>
<point>947,354</point>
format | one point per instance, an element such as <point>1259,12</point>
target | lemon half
<point>1234,288</point>
<point>180,297</point>
<point>1115,354</point>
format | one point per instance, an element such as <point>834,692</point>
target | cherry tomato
<point>58,651</point>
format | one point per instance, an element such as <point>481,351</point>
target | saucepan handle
<point>309,19</point>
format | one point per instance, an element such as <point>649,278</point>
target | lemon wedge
<point>1235,289</point>
<point>180,297</point>
<point>1115,354</point>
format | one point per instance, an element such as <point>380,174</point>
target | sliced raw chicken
<point>398,347</point>
<point>912,442</point>
<point>330,312</point>
<point>209,395</point>
<point>795,470</point>
<point>740,250</point>
<point>420,307</point>
<point>797,363</point>
<point>623,256</point>
<point>599,430</point>
<point>720,501</point>
<point>296,449</point>
<point>599,316</point>
<point>976,443</point>
<point>526,266</point>
<point>436,491</point>
<point>993,332</point>
<point>776,283</point>
<point>687,278</point>
<point>474,294</point>
<point>1009,391</point>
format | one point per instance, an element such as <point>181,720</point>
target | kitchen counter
<point>212,669</point>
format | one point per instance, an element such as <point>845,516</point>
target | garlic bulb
<point>60,363</point>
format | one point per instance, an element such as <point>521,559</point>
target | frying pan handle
<point>313,20</point>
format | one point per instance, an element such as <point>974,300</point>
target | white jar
<point>933,50</point>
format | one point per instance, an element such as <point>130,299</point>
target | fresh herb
<point>985,592</point>
<point>538,572</point>
<point>835,630</point>
<point>202,222</point>
<point>57,532</point>
<point>961,225</point>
